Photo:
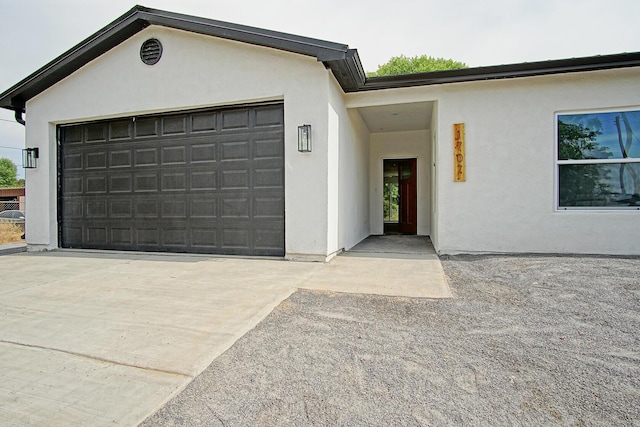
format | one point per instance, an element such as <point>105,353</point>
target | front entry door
<point>408,218</point>
<point>400,196</point>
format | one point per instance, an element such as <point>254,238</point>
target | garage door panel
<point>96,184</point>
<point>146,208</point>
<point>269,117</point>
<point>121,236</point>
<point>235,119</point>
<point>120,158</point>
<point>145,157</point>
<point>174,209</point>
<point>120,130</point>
<point>234,179</point>
<point>174,125</point>
<point>145,182</point>
<point>174,181</point>
<point>121,208</point>
<point>120,183</point>
<point>204,208</point>
<point>146,127</point>
<point>204,122</point>
<point>95,132</point>
<point>203,152</point>
<point>204,182</point>
<point>73,185</point>
<point>96,209</point>
<point>235,150</point>
<point>172,155</point>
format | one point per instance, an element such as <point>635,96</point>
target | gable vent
<point>151,51</point>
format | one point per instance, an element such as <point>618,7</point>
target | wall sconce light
<point>304,138</point>
<point>30,158</point>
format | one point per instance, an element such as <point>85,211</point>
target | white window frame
<point>558,163</point>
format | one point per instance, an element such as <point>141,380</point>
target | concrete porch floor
<point>392,265</point>
<point>103,338</point>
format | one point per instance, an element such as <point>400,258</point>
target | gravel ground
<point>526,341</point>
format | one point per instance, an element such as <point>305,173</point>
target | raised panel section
<point>147,127</point>
<point>146,182</point>
<point>174,237</point>
<point>174,181</point>
<point>120,159</point>
<point>120,130</point>
<point>97,184</point>
<point>174,125</point>
<point>146,157</point>
<point>268,149</point>
<point>174,209</point>
<point>73,162</point>
<point>173,155</point>
<point>203,180</point>
<point>148,236</point>
<point>121,208</point>
<point>96,209</point>
<point>121,236</point>
<point>235,207</point>
<point>204,237</point>
<point>204,122</point>
<point>269,116</point>
<point>235,180</point>
<point>268,207</point>
<point>235,119</point>
<point>147,209</point>
<point>203,153</point>
<point>235,237</point>
<point>268,178</point>
<point>120,183</point>
<point>96,133</point>
<point>204,208</point>
<point>237,150</point>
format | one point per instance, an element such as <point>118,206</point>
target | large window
<point>599,160</point>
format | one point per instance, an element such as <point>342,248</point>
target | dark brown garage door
<point>197,182</point>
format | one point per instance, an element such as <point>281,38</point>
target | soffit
<point>397,117</point>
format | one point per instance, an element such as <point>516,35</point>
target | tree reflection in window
<point>599,159</point>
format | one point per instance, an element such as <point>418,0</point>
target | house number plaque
<point>458,153</point>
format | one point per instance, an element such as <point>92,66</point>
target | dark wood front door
<point>408,218</point>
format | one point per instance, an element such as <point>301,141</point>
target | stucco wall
<point>400,145</point>
<point>508,203</point>
<point>348,174</point>
<point>194,71</point>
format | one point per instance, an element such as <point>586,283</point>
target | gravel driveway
<point>526,341</point>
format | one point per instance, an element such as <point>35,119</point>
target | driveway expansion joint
<point>97,359</point>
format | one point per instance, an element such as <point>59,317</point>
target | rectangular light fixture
<point>304,138</point>
<point>30,158</point>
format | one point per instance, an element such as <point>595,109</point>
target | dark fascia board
<point>141,17</point>
<point>527,69</point>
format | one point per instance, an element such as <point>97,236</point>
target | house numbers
<point>458,153</point>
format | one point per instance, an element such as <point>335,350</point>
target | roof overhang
<point>339,58</point>
<point>527,69</point>
<point>141,17</point>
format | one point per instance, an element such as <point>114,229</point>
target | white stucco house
<point>167,132</point>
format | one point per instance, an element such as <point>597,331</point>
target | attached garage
<point>207,181</point>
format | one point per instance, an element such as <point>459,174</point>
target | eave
<point>141,17</point>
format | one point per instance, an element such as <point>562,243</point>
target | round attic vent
<point>151,51</point>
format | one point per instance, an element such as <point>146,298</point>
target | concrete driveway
<point>92,338</point>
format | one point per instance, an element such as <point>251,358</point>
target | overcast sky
<point>487,32</point>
